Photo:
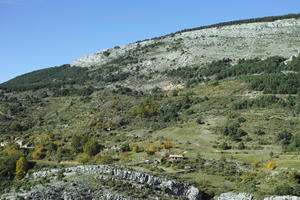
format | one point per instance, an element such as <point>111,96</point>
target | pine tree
<point>21,168</point>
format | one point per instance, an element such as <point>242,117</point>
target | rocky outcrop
<point>282,198</point>
<point>262,40</point>
<point>194,48</point>
<point>77,180</point>
<point>109,173</point>
<point>245,196</point>
<point>235,196</point>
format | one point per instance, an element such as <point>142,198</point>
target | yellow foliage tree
<point>152,149</point>
<point>83,158</point>
<point>167,145</point>
<point>271,165</point>
<point>21,168</point>
<point>135,148</point>
<point>38,153</point>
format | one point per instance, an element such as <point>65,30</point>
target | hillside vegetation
<point>226,115</point>
<point>218,109</point>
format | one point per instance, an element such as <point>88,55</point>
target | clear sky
<point>36,34</point>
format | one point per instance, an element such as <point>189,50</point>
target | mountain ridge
<point>277,23</point>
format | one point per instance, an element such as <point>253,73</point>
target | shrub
<point>199,120</point>
<point>106,159</point>
<point>283,189</point>
<point>241,146</point>
<point>294,143</point>
<point>167,145</point>
<point>83,158</point>
<point>233,132</point>
<point>146,110</point>
<point>225,146</point>
<point>135,149</point>
<point>21,168</point>
<point>38,153</point>
<point>284,137</point>
<point>255,164</point>
<point>241,119</point>
<point>271,165</point>
<point>125,147</point>
<point>259,132</point>
<point>152,149</point>
<point>91,148</point>
<point>14,126</point>
<point>78,141</point>
<point>8,166</point>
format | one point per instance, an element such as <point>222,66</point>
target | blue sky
<point>36,34</point>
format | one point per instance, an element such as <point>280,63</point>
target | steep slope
<point>200,47</point>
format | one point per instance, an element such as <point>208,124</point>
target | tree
<point>106,159</point>
<point>284,137</point>
<point>241,146</point>
<point>92,148</point>
<point>259,132</point>
<point>152,149</point>
<point>225,146</point>
<point>271,165</point>
<point>8,166</point>
<point>83,158</point>
<point>167,145</point>
<point>125,147</point>
<point>283,189</point>
<point>135,149</point>
<point>39,152</point>
<point>14,126</point>
<point>21,168</point>
<point>76,143</point>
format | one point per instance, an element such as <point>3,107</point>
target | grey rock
<point>282,198</point>
<point>244,41</point>
<point>235,196</point>
<point>69,190</point>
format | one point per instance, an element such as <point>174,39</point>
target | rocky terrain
<point>77,183</point>
<point>244,41</point>
<point>244,196</point>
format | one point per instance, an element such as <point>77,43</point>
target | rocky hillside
<point>210,112</point>
<point>101,182</point>
<point>200,47</point>
<point>243,41</point>
<point>143,65</point>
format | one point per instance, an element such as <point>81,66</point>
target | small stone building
<point>176,157</point>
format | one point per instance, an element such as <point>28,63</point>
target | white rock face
<point>234,196</point>
<point>245,196</point>
<point>103,172</point>
<point>264,39</point>
<point>282,198</point>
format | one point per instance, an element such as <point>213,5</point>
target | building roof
<point>176,156</point>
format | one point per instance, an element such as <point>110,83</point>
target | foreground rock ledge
<point>245,196</point>
<point>71,189</point>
